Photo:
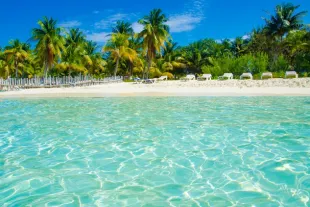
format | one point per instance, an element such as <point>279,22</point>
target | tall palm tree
<point>284,20</point>
<point>94,62</point>
<point>118,47</point>
<point>135,43</point>
<point>154,34</point>
<point>50,43</point>
<point>123,28</point>
<point>72,59</point>
<point>16,53</point>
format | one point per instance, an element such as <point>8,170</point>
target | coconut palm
<point>171,58</point>
<point>284,20</point>
<point>72,58</point>
<point>16,54</point>
<point>123,28</point>
<point>239,46</point>
<point>195,56</point>
<point>155,33</point>
<point>50,43</point>
<point>95,64</point>
<point>118,47</point>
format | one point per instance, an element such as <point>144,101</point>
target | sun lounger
<point>246,75</point>
<point>137,80</point>
<point>226,75</point>
<point>149,81</point>
<point>205,77</point>
<point>266,75</point>
<point>188,78</point>
<point>291,74</point>
<point>162,78</point>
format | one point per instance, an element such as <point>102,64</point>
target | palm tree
<point>154,34</point>
<point>123,28</point>
<point>16,53</point>
<point>195,56</point>
<point>72,59</point>
<point>95,64</point>
<point>284,20</point>
<point>118,47</point>
<point>50,43</point>
<point>239,46</point>
<point>172,59</point>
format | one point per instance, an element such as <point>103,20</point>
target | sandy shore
<point>273,87</point>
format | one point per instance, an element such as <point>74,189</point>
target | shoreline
<point>274,87</point>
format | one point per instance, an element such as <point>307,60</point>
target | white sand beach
<point>271,87</point>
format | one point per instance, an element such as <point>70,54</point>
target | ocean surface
<point>155,151</point>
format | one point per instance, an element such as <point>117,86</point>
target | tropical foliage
<point>282,43</point>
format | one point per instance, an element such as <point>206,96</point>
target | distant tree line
<point>281,44</point>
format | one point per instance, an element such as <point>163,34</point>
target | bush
<point>279,74</point>
<point>304,74</point>
<point>154,72</point>
<point>247,63</point>
<point>169,75</point>
<point>281,64</point>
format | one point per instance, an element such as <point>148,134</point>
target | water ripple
<point>177,151</point>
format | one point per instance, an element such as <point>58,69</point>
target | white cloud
<point>95,12</point>
<point>245,37</point>
<point>188,20</point>
<point>137,27</point>
<point>110,21</point>
<point>100,37</point>
<point>70,24</point>
<point>183,23</point>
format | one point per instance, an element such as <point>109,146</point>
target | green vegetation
<point>281,44</point>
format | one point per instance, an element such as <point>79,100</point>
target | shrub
<point>279,74</point>
<point>281,64</point>
<point>169,75</point>
<point>154,72</point>
<point>260,64</point>
<point>247,63</point>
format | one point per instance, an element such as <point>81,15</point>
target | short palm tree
<point>16,54</point>
<point>284,20</point>
<point>123,28</point>
<point>118,47</point>
<point>50,43</point>
<point>154,34</point>
<point>171,58</point>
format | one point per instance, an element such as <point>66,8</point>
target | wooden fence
<point>54,82</point>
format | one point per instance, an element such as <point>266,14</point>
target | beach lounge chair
<point>266,75</point>
<point>137,80</point>
<point>226,75</point>
<point>188,78</point>
<point>205,77</point>
<point>149,81</point>
<point>162,78</point>
<point>246,75</point>
<point>291,74</point>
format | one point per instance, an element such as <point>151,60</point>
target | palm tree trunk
<point>16,70</point>
<point>116,67</point>
<point>45,70</point>
<point>130,69</point>
<point>149,63</point>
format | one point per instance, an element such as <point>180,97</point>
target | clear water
<point>194,151</point>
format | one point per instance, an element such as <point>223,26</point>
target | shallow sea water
<point>155,151</point>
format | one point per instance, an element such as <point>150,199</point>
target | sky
<point>189,20</point>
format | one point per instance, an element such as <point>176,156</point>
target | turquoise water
<point>177,151</point>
